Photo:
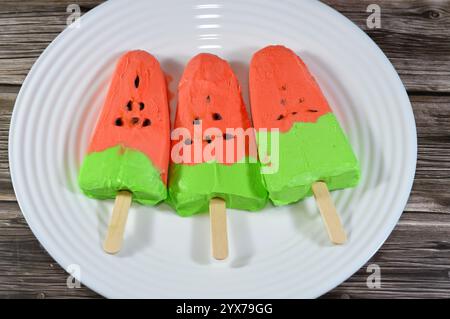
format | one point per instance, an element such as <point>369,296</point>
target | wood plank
<point>414,262</point>
<point>432,116</point>
<point>26,270</point>
<point>7,97</point>
<point>26,29</point>
<point>417,26</point>
<point>413,35</point>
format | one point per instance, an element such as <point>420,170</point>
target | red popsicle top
<point>209,93</point>
<point>136,111</point>
<point>282,90</point>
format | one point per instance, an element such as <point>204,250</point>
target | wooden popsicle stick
<point>114,237</point>
<point>329,214</point>
<point>219,236</point>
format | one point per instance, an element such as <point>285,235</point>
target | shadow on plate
<point>239,230</point>
<point>200,241</point>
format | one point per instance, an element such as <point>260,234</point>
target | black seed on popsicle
<point>283,88</point>
<point>301,100</point>
<point>129,105</point>
<point>227,136</point>
<point>136,82</point>
<point>188,141</point>
<point>294,113</point>
<point>208,99</point>
<point>141,106</point>
<point>196,121</point>
<point>146,122</point>
<point>134,120</point>
<point>280,117</point>
<point>283,101</point>
<point>118,122</point>
<point>312,111</point>
<point>216,117</point>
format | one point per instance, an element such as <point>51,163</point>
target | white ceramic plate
<point>280,252</point>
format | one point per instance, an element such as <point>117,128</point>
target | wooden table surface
<point>414,261</point>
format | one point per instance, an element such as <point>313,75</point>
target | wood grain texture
<point>414,261</point>
<point>413,34</point>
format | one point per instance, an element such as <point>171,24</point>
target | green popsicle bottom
<point>105,173</point>
<point>311,152</point>
<point>191,187</point>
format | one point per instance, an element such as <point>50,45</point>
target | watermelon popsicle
<point>314,153</point>
<point>128,154</point>
<point>210,109</point>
